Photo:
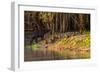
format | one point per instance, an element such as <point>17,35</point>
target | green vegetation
<point>78,41</point>
<point>34,47</point>
<point>73,47</point>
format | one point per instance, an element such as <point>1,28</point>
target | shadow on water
<point>41,55</point>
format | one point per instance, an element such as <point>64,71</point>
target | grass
<point>78,41</point>
<point>34,47</point>
<point>73,47</point>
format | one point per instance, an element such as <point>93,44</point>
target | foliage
<point>79,41</point>
<point>34,47</point>
<point>46,17</point>
<point>70,47</point>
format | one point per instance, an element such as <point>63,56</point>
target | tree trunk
<point>81,22</point>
